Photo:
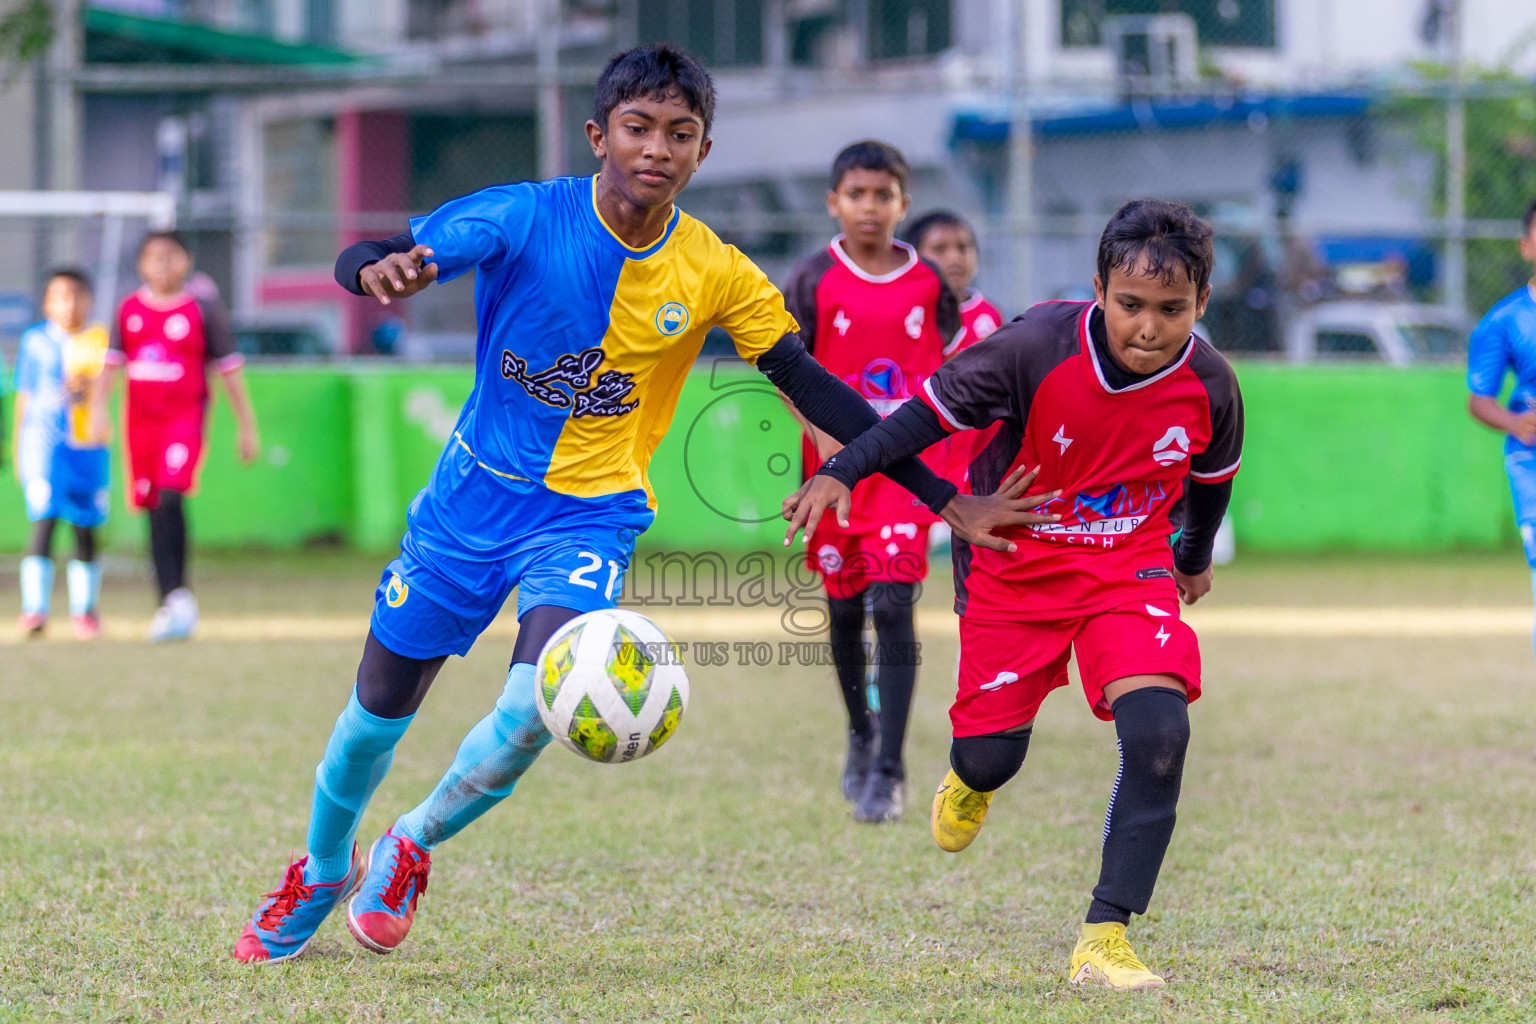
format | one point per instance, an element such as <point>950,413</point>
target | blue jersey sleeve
<point>485,229</point>
<point>26,365</point>
<point>1488,356</point>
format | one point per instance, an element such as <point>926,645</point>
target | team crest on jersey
<point>672,318</point>
<point>591,393</point>
<point>1172,447</point>
<point>397,591</point>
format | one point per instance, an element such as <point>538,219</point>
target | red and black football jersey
<point>1120,457</point>
<point>882,334</point>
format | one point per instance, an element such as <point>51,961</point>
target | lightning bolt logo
<point>1162,636</point>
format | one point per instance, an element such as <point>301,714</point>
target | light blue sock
<point>36,585</point>
<point>495,754</point>
<point>84,586</point>
<point>356,760</point>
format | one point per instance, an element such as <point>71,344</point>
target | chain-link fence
<point>1328,166</point>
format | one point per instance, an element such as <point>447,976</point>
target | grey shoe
<point>884,799</point>
<point>862,751</point>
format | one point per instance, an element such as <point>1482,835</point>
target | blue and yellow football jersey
<point>583,347</point>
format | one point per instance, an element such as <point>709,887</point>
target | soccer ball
<point>610,686</point>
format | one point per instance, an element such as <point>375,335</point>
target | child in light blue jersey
<point>61,465</point>
<point>1503,343</point>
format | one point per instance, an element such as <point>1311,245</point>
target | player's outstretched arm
<point>387,268</point>
<point>974,518</point>
<point>841,412</point>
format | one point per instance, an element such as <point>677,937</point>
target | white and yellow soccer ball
<point>610,686</point>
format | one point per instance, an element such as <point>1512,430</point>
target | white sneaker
<point>176,619</point>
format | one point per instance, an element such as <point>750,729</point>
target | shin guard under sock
<point>892,609</point>
<point>846,634</point>
<point>36,585</point>
<point>84,586</point>
<point>1153,727</point>
<point>356,760</point>
<point>498,750</point>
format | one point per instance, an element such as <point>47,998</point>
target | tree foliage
<point>1501,165</point>
<point>26,31</point>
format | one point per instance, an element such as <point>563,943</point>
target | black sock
<point>847,638</point>
<point>984,763</point>
<point>40,545</point>
<point>891,607</point>
<point>168,542</point>
<point>85,544</point>
<point>1153,726</point>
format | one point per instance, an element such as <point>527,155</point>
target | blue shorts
<point>75,487</point>
<point>429,604</point>
<point>1520,464</point>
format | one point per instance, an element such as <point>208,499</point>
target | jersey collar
<point>1098,370</point>
<point>628,250</point>
<point>147,297</point>
<point>973,299</point>
<point>837,250</point>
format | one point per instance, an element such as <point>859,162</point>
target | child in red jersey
<point>875,314</point>
<point>1136,426</point>
<point>168,339</point>
<point>945,239</point>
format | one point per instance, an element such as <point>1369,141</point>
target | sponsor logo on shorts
<point>829,558</point>
<point>176,456</point>
<point>1154,574</point>
<point>1157,613</point>
<point>1002,680</point>
<point>396,591</point>
<point>1162,636</point>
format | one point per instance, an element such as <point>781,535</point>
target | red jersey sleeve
<point>800,295</point>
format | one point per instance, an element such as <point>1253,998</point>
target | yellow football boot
<point>958,811</point>
<point>1105,959</point>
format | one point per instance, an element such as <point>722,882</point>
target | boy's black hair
<point>936,219</point>
<point>654,71</point>
<point>1529,218</point>
<point>1160,236</point>
<point>870,155</point>
<point>169,236</point>
<point>70,273</point>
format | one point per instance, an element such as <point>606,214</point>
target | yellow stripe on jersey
<point>662,308</point>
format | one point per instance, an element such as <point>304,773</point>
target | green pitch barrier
<point>1336,458</point>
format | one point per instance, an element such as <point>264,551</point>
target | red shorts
<point>849,562</point>
<point>163,455</point>
<point>1007,668</point>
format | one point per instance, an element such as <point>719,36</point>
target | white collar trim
<point>1098,371</point>
<point>861,273</point>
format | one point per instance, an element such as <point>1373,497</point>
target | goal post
<point>96,231</point>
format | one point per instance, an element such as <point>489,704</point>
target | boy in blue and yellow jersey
<point>593,297</point>
<point>1504,343</point>
<point>62,466</point>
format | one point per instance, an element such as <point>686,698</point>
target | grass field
<point>1354,841</point>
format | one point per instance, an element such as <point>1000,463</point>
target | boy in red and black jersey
<point>944,239</point>
<point>879,317</point>
<point>1134,426</point>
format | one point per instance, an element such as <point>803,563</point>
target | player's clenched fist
<point>398,274</point>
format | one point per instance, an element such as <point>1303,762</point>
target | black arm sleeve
<point>1204,505</point>
<point>840,411</point>
<point>359,254</point>
<point>901,435</point>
